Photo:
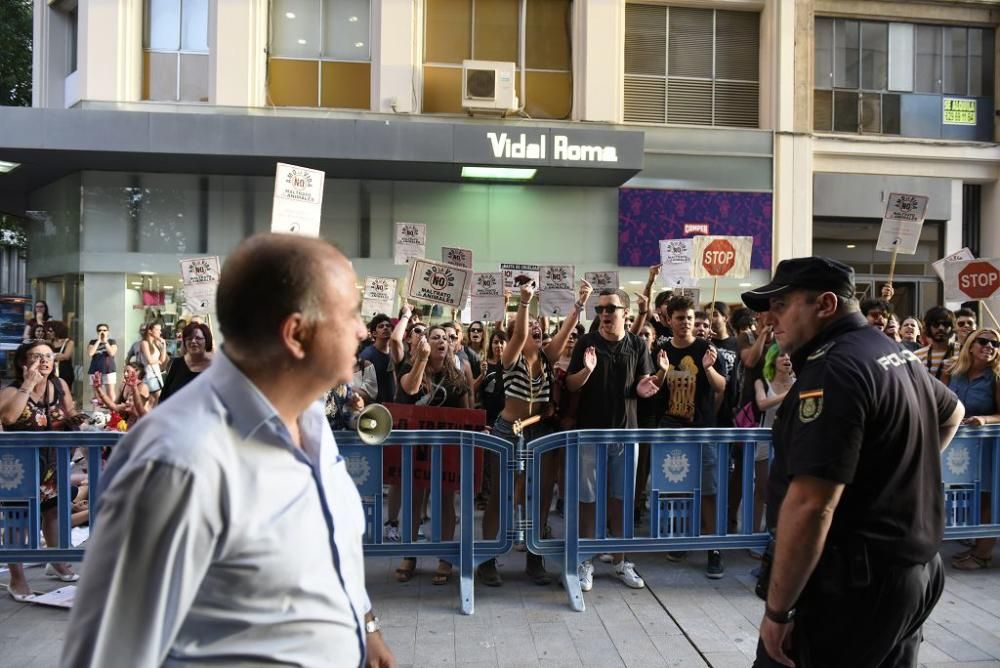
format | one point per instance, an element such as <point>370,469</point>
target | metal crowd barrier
<point>969,468</point>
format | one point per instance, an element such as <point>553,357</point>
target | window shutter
<point>690,43</point>
<point>645,39</point>
<point>689,101</point>
<point>645,99</point>
<point>737,46</point>
<point>736,104</point>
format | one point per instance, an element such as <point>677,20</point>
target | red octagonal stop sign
<point>719,257</point>
<point>979,280</point>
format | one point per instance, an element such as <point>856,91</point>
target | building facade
<point>156,126</point>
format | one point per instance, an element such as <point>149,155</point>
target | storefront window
<point>320,54</point>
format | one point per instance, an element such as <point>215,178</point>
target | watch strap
<point>779,616</point>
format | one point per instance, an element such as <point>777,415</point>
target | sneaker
<point>535,568</point>
<point>605,558</point>
<point>586,574</point>
<point>715,569</point>
<point>392,532</point>
<point>488,573</point>
<point>676,557</point>
<point>625,571</point>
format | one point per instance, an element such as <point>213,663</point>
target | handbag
<point>746,417</point>
<point>154,377</point>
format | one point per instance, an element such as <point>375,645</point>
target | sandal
<point>442,574</point>
<point>405,572</point>
<point>972,563</point>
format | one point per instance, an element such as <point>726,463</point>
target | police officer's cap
<point>803,273</point>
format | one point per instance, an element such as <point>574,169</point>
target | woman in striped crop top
<point>527,378</point>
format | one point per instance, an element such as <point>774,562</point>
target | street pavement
<point>680,619</point>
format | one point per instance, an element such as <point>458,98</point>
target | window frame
<point>180,51</point>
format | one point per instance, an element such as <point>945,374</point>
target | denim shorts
<point>615,469</point>
<point>505,430</point>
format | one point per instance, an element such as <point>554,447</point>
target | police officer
<point>855,486</point>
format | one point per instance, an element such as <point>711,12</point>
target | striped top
<point>518,385</point>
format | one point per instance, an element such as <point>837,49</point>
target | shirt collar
<point>847,323</point>
<point>247,407</point>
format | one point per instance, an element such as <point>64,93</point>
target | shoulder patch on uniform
<point>822,350</point>
<point>810,405</point>
<point>810,394</point>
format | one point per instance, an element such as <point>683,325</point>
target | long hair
<point>453,376</point>
<point>965,355</point>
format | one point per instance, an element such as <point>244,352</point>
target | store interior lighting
<point>499,173</point>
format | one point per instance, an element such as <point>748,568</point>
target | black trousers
<point>873,626</point>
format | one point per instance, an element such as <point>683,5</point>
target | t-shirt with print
<point>727,355</point>
<point>690,397</point>
<point>383,372</point>
<point>620,365</point>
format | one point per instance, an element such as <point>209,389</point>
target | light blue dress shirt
<point>219,542</point>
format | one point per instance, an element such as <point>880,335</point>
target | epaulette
<point>822,350</point>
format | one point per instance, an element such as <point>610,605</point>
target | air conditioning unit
<point>488,87</point>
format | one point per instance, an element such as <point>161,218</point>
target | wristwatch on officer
<point>372,625</point>
<point>779,617</point>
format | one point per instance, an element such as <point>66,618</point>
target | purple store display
<point>645,216</point>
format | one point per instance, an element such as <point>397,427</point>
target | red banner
<point>409,416</point>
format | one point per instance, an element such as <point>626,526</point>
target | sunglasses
<point>983,341</point>
<point>453,337</point>
<point>419,331</point>
<point>966,323</point>
<point>609,309</point>
<point>939,325</point>
<point>475,330</point>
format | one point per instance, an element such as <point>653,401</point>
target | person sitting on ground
<point>134,401</point>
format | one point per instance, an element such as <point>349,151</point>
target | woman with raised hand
<point>528,389</point>
<point>153,356</point>
<point>133,401</point>
<point>431,378</point>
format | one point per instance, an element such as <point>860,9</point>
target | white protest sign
<point>958,256</point>
<point>721,257</point>
<point>298,200</point>
<point>379,297</point>
<point>460,257</point>
<point>487,296</point>
<point>411,241</point>
<point>599,280</point>
<point>515,274</point>
<point>675,260</point>
<point>901,223</point>
<point>966,280</point>
<point>557,294</point>
<point>438,283</point>
<point>200,277</point>
<point>694,294</point>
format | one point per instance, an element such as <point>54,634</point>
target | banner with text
<point>487,296</point>
<point>460,257</point>
<point>411,242</point>
<point>516,274</point>
<point>557,290</point>
<point>379,297</point>
<point>298,200</point>
<point>902,222</point>
<point>200,277</point>
<point>438,283</point>
<point>675,261</point>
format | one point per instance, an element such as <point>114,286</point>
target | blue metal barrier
<point>364,463</point>
<point>676,495</point>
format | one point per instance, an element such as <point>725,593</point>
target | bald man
<point>230,531</point>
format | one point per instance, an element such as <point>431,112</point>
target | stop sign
<point>979,280</point>
<point>719,257</point>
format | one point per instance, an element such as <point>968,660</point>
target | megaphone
<point>374,424</point>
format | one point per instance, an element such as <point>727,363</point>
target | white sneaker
<point>391,533</point>
<point>625,571</point>
<point>585,571</point>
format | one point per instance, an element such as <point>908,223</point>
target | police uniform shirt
<point>865,413</point>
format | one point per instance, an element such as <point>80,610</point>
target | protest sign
<point>675,261</point>
<point>379,296</point>
<point>971,279</point>
<point>694,294</point>
<point>438,283</point>
<point>487,296</point>
<point>516,274</point>
<point>901,224</point>
<point>200,277</point>
<point>460,257</point>
<point>964,254</point>
<point>298,200</point>
<point>411,241</point>
<point>721,257</point>
<point>557,290</point>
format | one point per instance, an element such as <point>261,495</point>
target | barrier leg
<point>94,483</point>
<point>571,513</point>
<point>466,561</point>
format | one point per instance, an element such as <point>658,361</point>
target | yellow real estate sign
<point>959,111</point>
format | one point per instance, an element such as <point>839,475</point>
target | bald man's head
<point>267,278</point>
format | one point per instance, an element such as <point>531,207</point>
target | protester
<point>489,394</point>
<point>702,327</point>
<point>101,352</point>
<point>196,357</point>
<point>39,316</point>
<point>648,412</point>
<point>433,379</point>
<point>380,330</point>
<point>770,390</point>
<point>152,357</point>
<point>64,348</point>
<point>610,368</point>
<point>965,323</point>
<point>857,479</point>
<point>215,539</point>
<point>892,328</point>
<point>909,334</point>
<point>974,381</point>
<point>660,319</point>
<point>134,400</point>
<point>38,401</point>
<point>876,311</point>
<point>133,351</point>
<point>939,355</point>
<point>693,374</point>
<point>528,391</point>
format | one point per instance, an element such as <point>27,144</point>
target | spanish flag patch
<point>811,394</point>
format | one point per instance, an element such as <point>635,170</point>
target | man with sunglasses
<point>610,368</point>
<point>941,354</point>
<point>380,329</point>
<point>855,486</point>
<point>965,324</point>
